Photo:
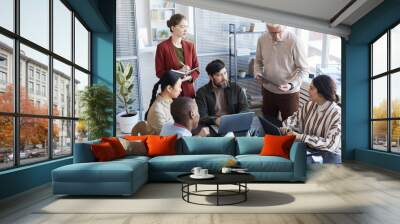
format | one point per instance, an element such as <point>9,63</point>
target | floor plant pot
<point>126,122</point>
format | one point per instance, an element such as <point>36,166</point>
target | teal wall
<point>24,178</point>
<point>356,74</point>
<point>99,16</point>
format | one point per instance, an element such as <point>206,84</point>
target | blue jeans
<point>327,157</point>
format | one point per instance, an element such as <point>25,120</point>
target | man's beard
<point>222,85</point>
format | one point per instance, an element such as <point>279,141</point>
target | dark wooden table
<point>238,179</point>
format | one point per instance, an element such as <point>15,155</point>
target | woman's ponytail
<point>153,97</point>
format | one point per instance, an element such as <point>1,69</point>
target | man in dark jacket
<point>219,96</point>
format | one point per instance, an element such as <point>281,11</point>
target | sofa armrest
<point>298,157</point>
<point>83,152</point>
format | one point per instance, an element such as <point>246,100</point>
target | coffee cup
<point>196,171</point>
<point>226,170</point>
<point>203,172</point>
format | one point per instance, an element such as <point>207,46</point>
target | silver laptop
<point>236,123</point>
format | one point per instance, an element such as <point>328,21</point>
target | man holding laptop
<point>220,96</point>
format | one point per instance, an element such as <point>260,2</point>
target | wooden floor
<point>378,188</point>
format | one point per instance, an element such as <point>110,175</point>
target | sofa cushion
<point>257,163</point>
<point>207,145</point>
<point>112,171</point>
<point>103,152</point>
<point>185,163</point>
<point>249,145</point>
<point>116,145</point>
<point>275,145</point>
<point>161,145</point>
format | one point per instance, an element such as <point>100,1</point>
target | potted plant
<point>126,119</point>
<point>96,102</point>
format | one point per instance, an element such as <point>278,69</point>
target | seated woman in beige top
<point>159,112</point>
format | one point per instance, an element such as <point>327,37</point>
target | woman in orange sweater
<point>178,54</point>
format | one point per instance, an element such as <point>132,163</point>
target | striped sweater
<point>318,126</point>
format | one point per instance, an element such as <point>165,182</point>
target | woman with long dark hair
<point>159,112</point>
<point>178,54</point>
<point>318,123</point>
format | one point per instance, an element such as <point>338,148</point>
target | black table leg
<point>217,194</point>
<point>245,193</point>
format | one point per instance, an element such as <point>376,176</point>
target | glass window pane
<point>379,55</point>
<point>6,142</point>
<point>395,95</point>
<point>33,139</point>
<point>34,72</point>
<point>379,135</point>
<point>62,141</point>
<point>62,29</point>
<point>35,21</point>
<point>7,14</point>
<point>62,89</point>
<point>395,47</point>
<point>379,98</point>
<point>81,81</point>
<point>395,136</point>
<point>6,74</point>
<point>81,45</point>
<point>81,131</point>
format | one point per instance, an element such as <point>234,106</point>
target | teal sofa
<point>125,176</point>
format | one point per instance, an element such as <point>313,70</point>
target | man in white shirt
<point>186,118</point>
<point>280,66</point>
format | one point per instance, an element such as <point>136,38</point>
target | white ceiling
<point>313,15</point>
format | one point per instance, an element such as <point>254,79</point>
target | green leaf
<point>130,88</point>
<point>128,72</point>
<point>120,79</point>
<point>130,101</point>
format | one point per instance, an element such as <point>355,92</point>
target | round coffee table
<point>238,179</point>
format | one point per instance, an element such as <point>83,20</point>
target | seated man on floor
<point>186,116</point>
<point>220,96</point>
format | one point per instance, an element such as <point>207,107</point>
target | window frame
<point>16,114</point>
<point>388,74</point>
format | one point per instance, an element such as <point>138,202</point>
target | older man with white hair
<point>280,66</point>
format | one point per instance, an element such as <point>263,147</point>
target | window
<point>30,87</point>
<point>7,14</point>
<point>37,89</point>
<point>3,78</point>
<point>45,131</point>
<point>81,45</point>
<point>30,72</point>
<point>43,90</point>
<point>35,22</point>
<point>6,142</point>
<point>81,81</point>
<point>62,74</point>
<point>385,96</point>
<point>6,74</point>
<point>62,29</point>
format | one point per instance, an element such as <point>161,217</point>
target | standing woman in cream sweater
<point>318,123</point>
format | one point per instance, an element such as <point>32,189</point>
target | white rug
<point>166,198</point>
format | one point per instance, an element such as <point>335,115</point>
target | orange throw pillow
<point>161,145</point>
<point>103,152</point>
<point>277,145</point>
<point>116,145</point>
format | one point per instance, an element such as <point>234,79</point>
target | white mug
<point>203,172</point>
<point>196,171</point>
<point>226,170</point>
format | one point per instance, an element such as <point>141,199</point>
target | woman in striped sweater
<point>318,122</point>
